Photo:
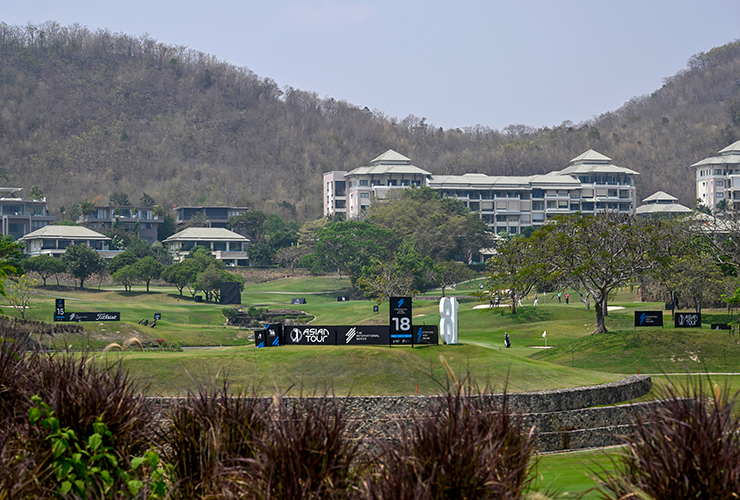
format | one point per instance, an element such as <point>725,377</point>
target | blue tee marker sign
<point>400,316</point>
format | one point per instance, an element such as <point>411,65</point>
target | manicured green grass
<point>571,475</point>
<point>369,370</point>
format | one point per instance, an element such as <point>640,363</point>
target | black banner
<point>400,319</point>
<point>648,318</point>
<point>94,316</point>
<point>273,335</point>
<point>687,320</point>
<point>363,335</point>
<point>259,338</point>
<point>720,326</point>
<point>426,334</point>
<point>310,335</point>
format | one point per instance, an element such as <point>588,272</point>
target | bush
<point>211,432</point>
<point>309,451</point>
<point>687,448</point>
<point>467,448</point>
<point>82,398</point>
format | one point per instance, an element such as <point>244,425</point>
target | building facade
<point>215,216</point>
<point>590,184</point>
<point>104,217</point>
<point>21,216</point>
<point>718,178</point>
<point>54,240</point>
<point>225,245</point>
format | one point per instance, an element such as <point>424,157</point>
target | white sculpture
<point>448,322</point>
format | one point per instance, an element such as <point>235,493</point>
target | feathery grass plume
<point>212,438</point>
<point>686,447</point>
<point>309,451</point>
<point>449,370</point>
<point>468,446</point>
<point>110,346</point>
<point>133,340</point>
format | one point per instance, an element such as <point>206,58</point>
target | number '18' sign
<point>400,311</point>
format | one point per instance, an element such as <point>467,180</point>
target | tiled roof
<point>206,234</point>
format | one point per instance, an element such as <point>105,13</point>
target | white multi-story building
<point>590,184</point>
<point>718,178</point>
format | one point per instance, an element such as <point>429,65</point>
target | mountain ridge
<point>84,114</point>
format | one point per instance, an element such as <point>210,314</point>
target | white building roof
<point>551,181</point>
<point>391,156</point>
<point>65,232</point>
<point>660,196</point>
<point>659,208</point>
<point>590,156</point>
<point>206,234</point>
<point>728,155</point>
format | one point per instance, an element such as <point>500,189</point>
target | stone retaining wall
<point>564,418</point>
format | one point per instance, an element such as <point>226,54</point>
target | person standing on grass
<point>536,300</point>
<point>559,301</point>
<point>507,340</point>
<point>566,299</point>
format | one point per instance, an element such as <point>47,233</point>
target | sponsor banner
<point>720,326</point>
<point>273,335</point>
<point>363,335</point>
<point>259,338</point>
<point>426,334</point>
<point>94,316</point>
<point>310,335</point>
<point>687,320</point>
<point>648,318</point>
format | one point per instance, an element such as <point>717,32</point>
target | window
<point>720,183</point>
<point>720,195</point>
<point>474,206</point>
<point>340,188</point>
<point>551,204</point>
<point>393,182</point>
<point>219,246</point>
<point>717,171</point>
<point>363,182</point>
<point>340,204</point>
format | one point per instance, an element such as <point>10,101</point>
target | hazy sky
<point>458,64</point>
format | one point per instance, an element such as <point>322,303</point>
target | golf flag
<point>544,334</point>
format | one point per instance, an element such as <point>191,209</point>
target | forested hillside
<point>84,114</point>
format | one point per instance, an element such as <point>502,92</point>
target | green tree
<point>20,292</point>
<point>10,255</point>
<point>260,254</point>
<point>127,276</point>
<point>119,200</point>
<point>451,272</point>
<point>351,245</point>
<point>36,193</point>
<point>125,258</point>
<point>604,252</point>
<point>167,228</point>
<point>87,208</point>
<point>146,201</point>
<point>148,269</point>
<point>82,262</point>
<point>181,275</point>
<point>518,265</point>
<point>249,224</point>
<point>45,266</point>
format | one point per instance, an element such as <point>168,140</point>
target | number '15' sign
<point>400,316</point>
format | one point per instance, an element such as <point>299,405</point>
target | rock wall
<point>564,419</point>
